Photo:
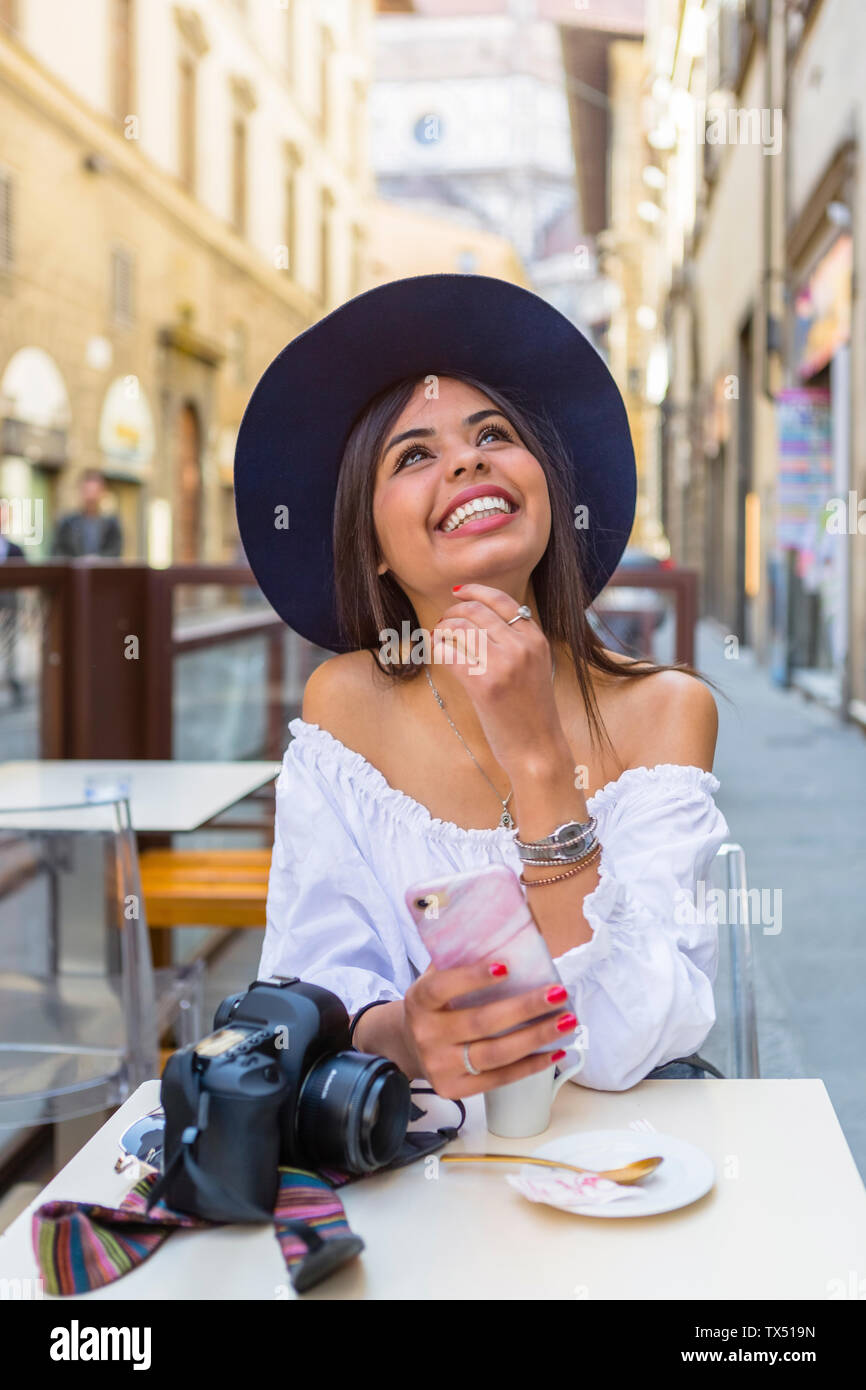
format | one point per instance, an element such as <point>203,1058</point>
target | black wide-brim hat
<point>298,419</point>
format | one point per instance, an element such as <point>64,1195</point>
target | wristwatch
<point>565,844</point>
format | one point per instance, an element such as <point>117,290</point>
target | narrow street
<point>792,780</point>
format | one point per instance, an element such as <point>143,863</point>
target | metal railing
<point>682,584</point>
<point>113,635</point>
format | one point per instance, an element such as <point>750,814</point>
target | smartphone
<point>480,916</point>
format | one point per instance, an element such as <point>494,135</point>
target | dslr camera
<point>276,1083</point>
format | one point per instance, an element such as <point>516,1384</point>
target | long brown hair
<point>368,603</point>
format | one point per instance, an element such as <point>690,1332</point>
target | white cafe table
<point>164,796</point>
<point>786,1218</point>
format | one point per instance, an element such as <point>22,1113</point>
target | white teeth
<point>476,507</point>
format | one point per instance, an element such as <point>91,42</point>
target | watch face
<point>570,831</point>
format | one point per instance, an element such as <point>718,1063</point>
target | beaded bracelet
<point>575,869</point>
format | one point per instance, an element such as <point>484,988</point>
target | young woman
<point>488,517</point>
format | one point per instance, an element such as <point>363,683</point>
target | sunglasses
<point>141,1145</point>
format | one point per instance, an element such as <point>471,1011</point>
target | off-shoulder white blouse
<point>347,845</point>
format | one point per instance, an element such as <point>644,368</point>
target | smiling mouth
<point>477,509</point>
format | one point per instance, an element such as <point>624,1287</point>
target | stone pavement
<point>793,790</point>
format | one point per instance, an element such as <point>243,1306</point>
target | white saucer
<point>686,1174</point>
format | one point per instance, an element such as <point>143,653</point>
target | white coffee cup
<point>523,1107</point>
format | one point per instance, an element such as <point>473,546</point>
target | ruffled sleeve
<point>329,920</point>
<point>642,986</point>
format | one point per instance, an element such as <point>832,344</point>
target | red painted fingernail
<point>566,1023</point>
<point>455,587</point>
<point>557,1056</point>
<point>497,968</point>
<point>556,994</point>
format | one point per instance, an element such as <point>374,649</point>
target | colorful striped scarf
<point>81,1246</point>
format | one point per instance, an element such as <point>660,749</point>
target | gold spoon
<point>630,1173</point>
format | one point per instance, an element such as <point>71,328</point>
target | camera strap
<point>216,1197</point>
<point>213,1193</point>
<point>419,1143</point>
<point>82,1245</point>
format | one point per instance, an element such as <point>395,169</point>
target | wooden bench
<point>205,888</point>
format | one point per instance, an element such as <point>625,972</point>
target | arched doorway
<point>35,416</point>
<point>189,486</point>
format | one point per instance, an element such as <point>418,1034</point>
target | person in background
<point>9,621</point>
<point>89,531</point>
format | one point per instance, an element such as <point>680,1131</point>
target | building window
<point>186,110</point>
<point>7,245</point>
<point>290,45</point>
<point>358,135</point>
<point>239,174</point>
<point>243,102</point>
<point>327,209</point>
<point>121,58</point>
<point>238,353</point>
<point>122,275</point>
<point>9,16</point>
<point>290,208</point>
<point>326,49</point>
<point>357,260</point>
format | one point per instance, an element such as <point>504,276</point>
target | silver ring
<point>473,1071</point>
<point>522,612</point>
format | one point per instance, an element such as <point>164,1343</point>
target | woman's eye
<point>496,430</point>
<point>408,457</point>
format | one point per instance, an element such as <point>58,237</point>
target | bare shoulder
<point>672,718</point>
<point>344,695</point>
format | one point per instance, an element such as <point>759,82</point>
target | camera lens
<point>352,1112</point>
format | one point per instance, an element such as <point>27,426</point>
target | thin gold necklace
<point>506,820</point>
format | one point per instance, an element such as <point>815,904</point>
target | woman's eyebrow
<point>414,434</point>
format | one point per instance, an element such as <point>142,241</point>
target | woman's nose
<point>461,465</point>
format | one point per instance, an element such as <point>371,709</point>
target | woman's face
<point>457,497</point>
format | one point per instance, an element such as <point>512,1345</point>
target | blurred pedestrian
<point>90,530</point>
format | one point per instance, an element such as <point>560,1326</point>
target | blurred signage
<point>822,311</point>
<point>38,443</point>
<point>126,428</point>
<point>805,471</point>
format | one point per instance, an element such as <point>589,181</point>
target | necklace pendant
<point>506,820</point>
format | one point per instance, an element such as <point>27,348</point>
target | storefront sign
<point>805,472</point>
<point>823,309</point>
<point>126,435</point>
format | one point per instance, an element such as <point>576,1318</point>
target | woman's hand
<point>511,686</point>
<point>437,1034</point>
